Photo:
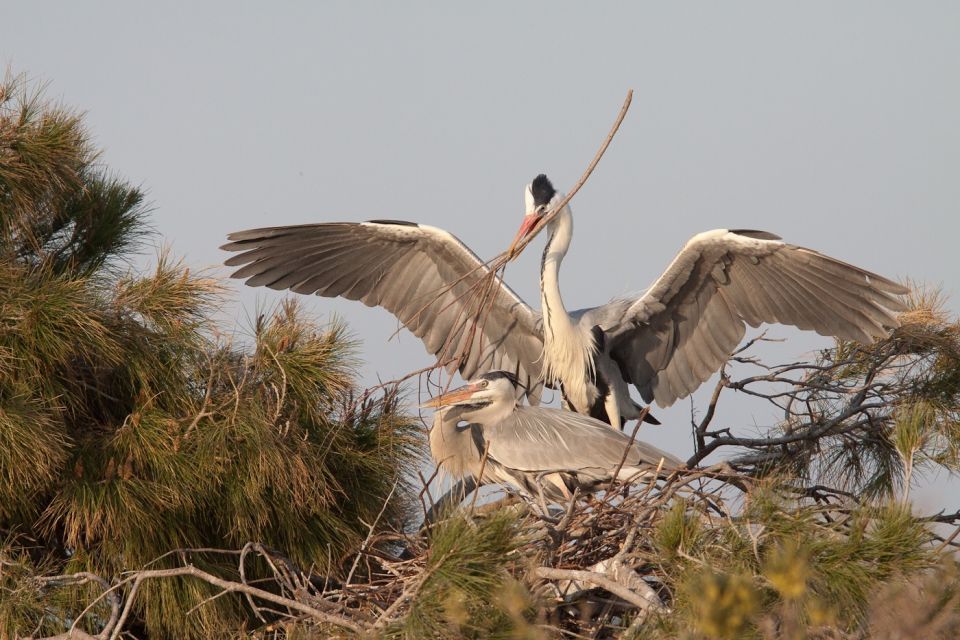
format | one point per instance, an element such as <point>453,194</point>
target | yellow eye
<point>485,384</point>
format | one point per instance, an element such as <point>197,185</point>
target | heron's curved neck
<point>568,354</point>
<point>453,449</point>
<point>555,313</point>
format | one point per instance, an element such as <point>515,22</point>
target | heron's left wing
<point>670,340</point>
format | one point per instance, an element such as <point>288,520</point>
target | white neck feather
<point>453,449</point>
<point>568,351</point>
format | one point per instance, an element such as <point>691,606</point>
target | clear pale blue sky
<point>835,125</point>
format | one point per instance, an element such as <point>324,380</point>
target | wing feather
<point>538,440</point>
<point>670,340</point>
<point>424,276</point>
<point>753,292</point>
<point>864,308</point>
<point>809,313</point>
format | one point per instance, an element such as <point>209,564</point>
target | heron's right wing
<point>540,439</point>
<point>423,275</point>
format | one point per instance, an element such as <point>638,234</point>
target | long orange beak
<point>529,222</point>
<point>452,397</point>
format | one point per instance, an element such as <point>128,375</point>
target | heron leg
<point>544,511</point>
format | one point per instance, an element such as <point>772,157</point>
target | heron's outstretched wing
<point>539,439</point>
<point>423,275</point>
<point>681,331</point>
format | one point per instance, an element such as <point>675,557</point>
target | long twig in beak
<point>498,264</point>
<point>484,287</point>
<point>550,215</point>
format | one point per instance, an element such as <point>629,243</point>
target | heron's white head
<point>492,394</point>
<point>539,198</point>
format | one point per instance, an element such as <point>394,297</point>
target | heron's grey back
<point>540,439</point>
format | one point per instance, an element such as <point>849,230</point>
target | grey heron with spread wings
<point>482,431</point>
<point>665,342</point>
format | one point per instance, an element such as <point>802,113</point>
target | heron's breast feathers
<point>569,356</point>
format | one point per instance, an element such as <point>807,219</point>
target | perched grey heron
<point>481,430</point>
<point>666,342</point>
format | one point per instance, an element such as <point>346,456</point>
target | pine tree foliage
<point>128,429</point>
<point>62,211</point>
<point>464,588</point>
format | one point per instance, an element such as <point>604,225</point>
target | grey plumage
<point>669,340</point>
<point>421,274</point>
<point>665,342</point>
<point>532,449</point>
<point>675,336</point>
<point>539,439</point>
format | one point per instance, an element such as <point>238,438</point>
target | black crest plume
<point>542,190</point>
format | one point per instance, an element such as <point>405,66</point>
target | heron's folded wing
<point>681,331</point>
<point>423,275</point>
<point>539,439</point>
